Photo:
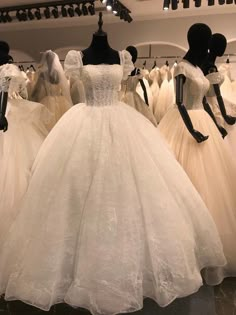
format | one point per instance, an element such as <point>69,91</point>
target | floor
<point>220,300</point>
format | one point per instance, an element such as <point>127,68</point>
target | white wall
<point>121,34</point>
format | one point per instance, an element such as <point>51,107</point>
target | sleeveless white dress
<point>210,164</point>
<point>165,96</point>
<point>132,98</point>
<point>109,217</point>
<point>19,145</point>
<point>155,78</point>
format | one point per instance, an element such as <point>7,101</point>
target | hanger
<point>155,64</point>
<point>32,67</point>
<point>21,67</point>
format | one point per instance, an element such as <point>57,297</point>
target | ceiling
<point>141,10</point>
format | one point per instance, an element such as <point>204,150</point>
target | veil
<point>51,79</point>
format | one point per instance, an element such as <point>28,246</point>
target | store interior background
<point>164,31</point>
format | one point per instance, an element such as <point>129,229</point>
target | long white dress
<point>111,216</point>
<point>54,95</point>
<point>19,145</point>
<point>154,77</point>
<point>132,98</point>
<point>144,75</point>
<point>165,96</point>
<point>209,165</point>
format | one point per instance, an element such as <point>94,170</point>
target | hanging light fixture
<point>84,9</point>
<point>198,3</point>
<point>109,4</point>
<point>30,15</point>
<point>71,11</point>
<point>55,12</point>
<point>91,9</point>
<point>37,14</point>
<point>211,2</point>
<point>166,5</point>
<point>174,4</point>
<point>185,4</point>
<point>78,10</point>
<point>47,13</point>
<point>63,11</point>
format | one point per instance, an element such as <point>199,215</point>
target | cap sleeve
<point>73,64</point>
<point>215,78</point>
<point>12,80</point>
<point>180,69</point>
<point>126,61</point>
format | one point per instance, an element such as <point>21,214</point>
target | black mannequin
<point>4,58</point>
<point>199,36</point>
<point>217,48</point>
<point>99,50</point>
<point>134,54</point>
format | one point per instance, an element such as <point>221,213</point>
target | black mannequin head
<point>217,48</point>
<point>4,47</point>
<point>133,52</point>
<point>199,36</point>
<point>218,45</point>
<point>4,51</point>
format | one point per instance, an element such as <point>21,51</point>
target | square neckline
<point>101,64</point>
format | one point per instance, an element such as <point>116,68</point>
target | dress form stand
<point>99,50</point>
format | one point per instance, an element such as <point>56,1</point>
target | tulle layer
<point>211,169</point>
<point>134,100</point>
<point>109,217</point>
<point>19,146</point>
<point>57,106</point>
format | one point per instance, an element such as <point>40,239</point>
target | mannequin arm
<point>180,79</point>
<point>228,119</point>
<point>209,111</point>
<point>144,91</point>
<point>3,107</point>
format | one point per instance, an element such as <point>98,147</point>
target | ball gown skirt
<point>211,168</point>
<point>109,218</point>
<point>19,146</point>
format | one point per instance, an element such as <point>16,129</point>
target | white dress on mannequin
<point>111,215</point>
<point>144,75</point>
<point>54,95</point>
<point>19,145</point>
<point>155,77</point>
<point>209,165</point>
<point>165,97</point>
<point>132,98</point>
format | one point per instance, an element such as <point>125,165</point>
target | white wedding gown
<point>109,217</point>
<point>210,164</point>
<point>130,97</point>
<point>19,145</point>
<point>54,95</point>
